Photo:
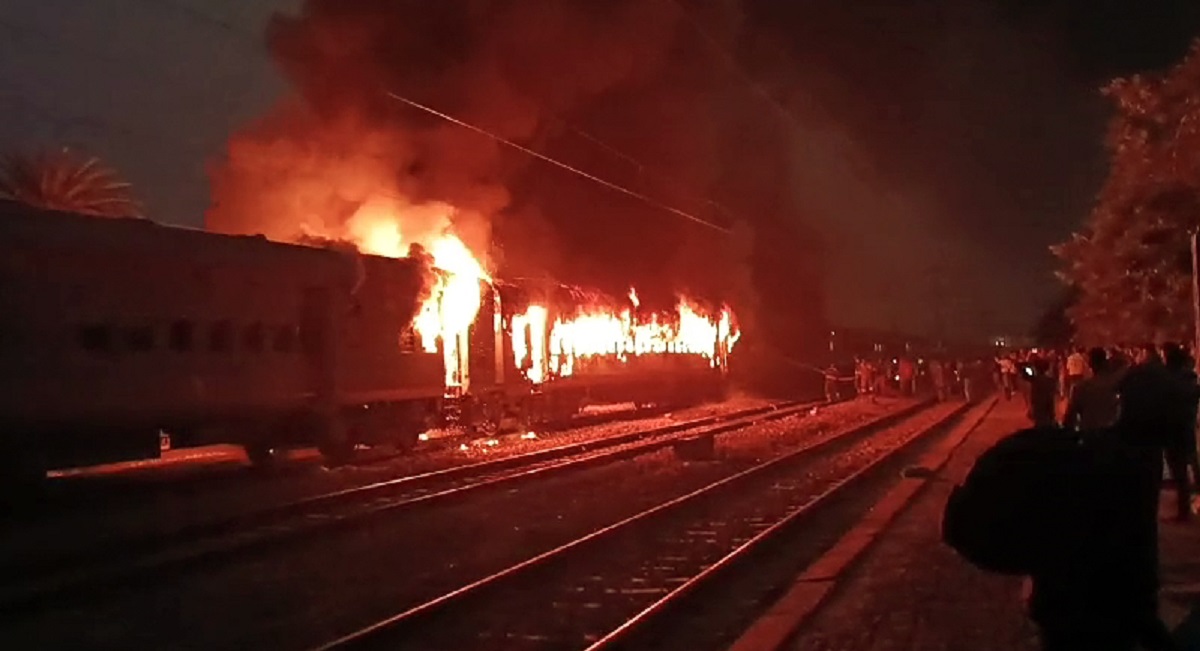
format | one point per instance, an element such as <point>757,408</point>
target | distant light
<point>424,436</point>
<point>529,436</point>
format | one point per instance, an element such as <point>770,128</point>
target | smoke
<point>341,141</point>
<point>629,90</point>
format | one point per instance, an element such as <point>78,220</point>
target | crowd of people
<point>944,377</point>
<point>1082,390</point>
<point>1123,413</point>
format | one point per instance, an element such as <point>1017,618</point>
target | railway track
<point>76,575</point>
<point>596,591</point>
<point>75,490</point>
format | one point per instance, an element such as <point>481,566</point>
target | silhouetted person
<point>937,374</point>
<point>1115,574</point>
<point>1093,403</point>
<point>1041,394</point>
<point>908,376</point>
<point>1097,587</point>
<point>1179,444</point>
<point>831,384</point>
<point>1007,375</point>
<point>1074,371</point>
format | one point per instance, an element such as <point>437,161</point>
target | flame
<point>529,348</point>
<point>377,227</point>
<point>542,352</point>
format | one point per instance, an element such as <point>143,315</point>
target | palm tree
<point>63,180</point>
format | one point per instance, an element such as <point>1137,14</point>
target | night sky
<point>940,146</point>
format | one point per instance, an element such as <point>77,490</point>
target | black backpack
<point>1023,504</point>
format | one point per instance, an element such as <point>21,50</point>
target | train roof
<point>23,223</point>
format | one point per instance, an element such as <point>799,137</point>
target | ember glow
<point>447,314</point>
<point>617,333</point>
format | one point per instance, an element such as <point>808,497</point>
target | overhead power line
<point>557,163</point>
<point>643,168</point>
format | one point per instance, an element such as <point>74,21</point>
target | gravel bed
<point>164,507</point>
<point>328,586</point>
<point>596,590</point>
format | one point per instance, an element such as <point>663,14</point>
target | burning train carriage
<point>575,347</point>
<point>114,330</point>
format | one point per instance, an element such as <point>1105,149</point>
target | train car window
<point>182,335</point>
<point>254,337</point>
<point>140,339</point>
<point>285,339</point>
<point>220,337</point>
<point>96,338</point>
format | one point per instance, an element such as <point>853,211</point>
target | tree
<point>1131,263</point>
<point>63,180</point>
<point>1054,328</point>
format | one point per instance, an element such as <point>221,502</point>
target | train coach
<point>113,331</point>
<point>575,347</point>
<point>116,329</point>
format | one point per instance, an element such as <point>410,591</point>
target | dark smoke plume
<point>629,90</point>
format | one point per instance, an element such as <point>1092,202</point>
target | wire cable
<point>557,163</point>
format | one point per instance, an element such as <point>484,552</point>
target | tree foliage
<point>1054,328</point>
<point>63,180</point>
<point>1132,261</point>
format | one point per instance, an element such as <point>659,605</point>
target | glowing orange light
<point>446,316</point>
<point>596,331</point>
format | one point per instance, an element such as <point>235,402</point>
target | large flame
<point>445,317</point>
<point>596,331</point>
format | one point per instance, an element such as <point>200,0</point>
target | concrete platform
<point>897,586</point>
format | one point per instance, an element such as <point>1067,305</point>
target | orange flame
<point>377,227</point>
<point>598,331</point>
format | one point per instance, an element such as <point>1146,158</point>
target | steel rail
<point>407,624</point>
<point>620,637</point>
<point>205,542</point>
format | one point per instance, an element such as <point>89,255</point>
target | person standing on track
<point>908,377</point>
<point>937,375</point>
<point>831,384</point>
